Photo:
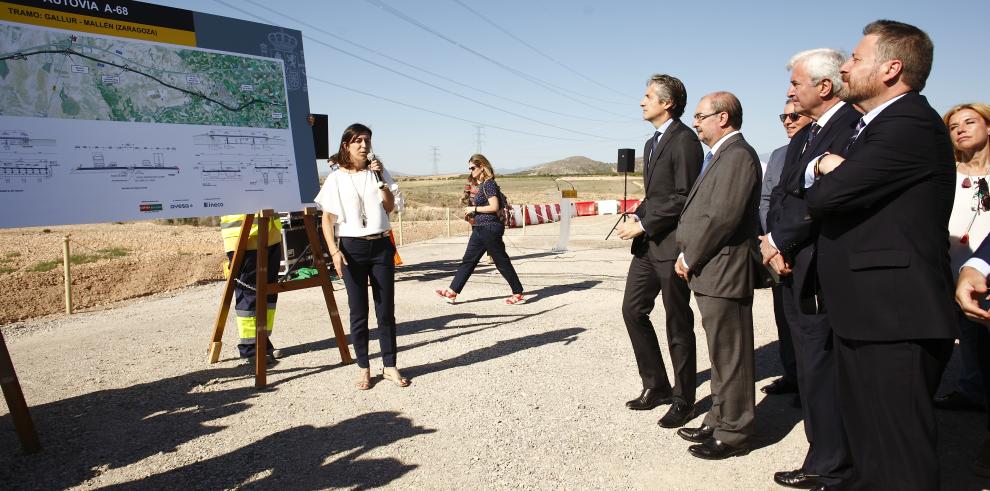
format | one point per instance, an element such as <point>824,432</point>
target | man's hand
<point>780,266</point>
<point>829,163</point>
<point>681,269</point>
<point>629,230</point>
<point>768,251</point>
<point>972,285</point>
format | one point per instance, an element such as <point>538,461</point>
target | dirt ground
<point>502,397</point>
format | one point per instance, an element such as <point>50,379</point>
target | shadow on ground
<point>445,268</point>
<point>87,435</point>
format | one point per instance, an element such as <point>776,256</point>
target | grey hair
<point>669,88</point>
<point>822,64</point>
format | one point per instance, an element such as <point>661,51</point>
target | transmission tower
<point>480,136</point>
<point>436,160</point>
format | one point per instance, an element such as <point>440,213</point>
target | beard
<point>863,89</point>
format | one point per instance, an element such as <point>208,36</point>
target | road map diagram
<point>114,79</point>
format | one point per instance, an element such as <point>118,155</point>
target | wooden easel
<point>263,287</point>
<point>16,403</point>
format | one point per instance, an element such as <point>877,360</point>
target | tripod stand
<point>626,163</point>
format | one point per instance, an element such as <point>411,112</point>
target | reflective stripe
<point>247,325</point>
<point>238,223</point>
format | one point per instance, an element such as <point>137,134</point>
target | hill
<point>569,166</point>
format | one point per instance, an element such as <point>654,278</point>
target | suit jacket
<point>718,228</point>
<point>667,178</point>
<point>883,258</point>
<point>789,220</point>
<point>771,178</point>
<point>983,251</point>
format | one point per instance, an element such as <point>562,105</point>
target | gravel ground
<point>503,397</point>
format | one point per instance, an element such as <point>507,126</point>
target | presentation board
<point>115,111</point>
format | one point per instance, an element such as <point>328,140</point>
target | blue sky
<point>579,94</point>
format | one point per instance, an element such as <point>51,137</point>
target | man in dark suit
<point>971,294</point>
<point>671,163</point>
<point>716,235</point>
<point>884,199</point>
<point>815,89</point>
<point>788,383</point>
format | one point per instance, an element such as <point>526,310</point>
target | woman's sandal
<point>447,294</point>
<point>363,382</point>
<point>516,298</point>
<point>396,378</point>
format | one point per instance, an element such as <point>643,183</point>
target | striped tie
<point>852,139</point>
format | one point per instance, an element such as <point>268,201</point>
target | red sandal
<point>450,296</point>
<point>516,298</point>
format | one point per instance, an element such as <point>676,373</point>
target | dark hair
<point>907,43</point>
<point>352,132</point>
<point>728,103</point>
<point>670,88</point>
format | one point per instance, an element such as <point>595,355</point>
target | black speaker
<point>627,160</point>
<point>321,135</point>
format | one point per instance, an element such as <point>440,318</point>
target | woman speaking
<point>486,233</point>
<point>356,199</point>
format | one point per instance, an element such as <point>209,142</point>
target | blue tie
<point>859,129</point>
<point>704,165</point>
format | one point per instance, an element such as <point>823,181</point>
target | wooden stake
<point>316,245</point>
<point>448,222</point>
<point>261,304</point>
<point>400,228</point>
<point>67,275</point>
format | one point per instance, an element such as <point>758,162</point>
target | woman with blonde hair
<point>486,233</point>
<point>969,224</point>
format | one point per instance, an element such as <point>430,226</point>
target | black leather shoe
<point>678,415</point>
<point>697,435</point>
<point>957,401</point>
<point>649,399</point>
<point>779,386</point>
<point>796,479</point>
<point>714,449</point>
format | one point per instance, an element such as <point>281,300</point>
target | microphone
<point>378,174</point>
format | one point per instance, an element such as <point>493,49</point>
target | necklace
<point>360,195</point>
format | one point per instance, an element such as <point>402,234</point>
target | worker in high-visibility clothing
<point>245,294</point>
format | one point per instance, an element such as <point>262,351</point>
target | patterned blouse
<point>486,190</point>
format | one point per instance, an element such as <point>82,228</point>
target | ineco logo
<point>212,204</point>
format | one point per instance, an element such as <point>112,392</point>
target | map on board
<point>52,74</point>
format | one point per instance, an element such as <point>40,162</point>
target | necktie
<point>852,139</point>
<point>646,163</point>
<point>815,128</point>
<point>704,165</point>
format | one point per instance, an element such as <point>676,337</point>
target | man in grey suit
<point>788,383</point>
<point>716,235</point>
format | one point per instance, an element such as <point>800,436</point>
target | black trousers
<point>983,359</point>
<point>647,278</point>
<point>885,392</point>
<point>828,451</point>
<point>371,260</point>
<point>486,238</point>
<point>785,346</point>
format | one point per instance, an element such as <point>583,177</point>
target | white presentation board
<point>147,112</point>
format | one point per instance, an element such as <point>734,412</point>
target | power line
<point>546,85</point>
<point>409,65</point>
<point>442,89</point>
<point>534,48</point>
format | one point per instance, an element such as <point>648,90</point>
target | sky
<point>546,80</point>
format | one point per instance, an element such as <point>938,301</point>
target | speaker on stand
<point>625,164</point>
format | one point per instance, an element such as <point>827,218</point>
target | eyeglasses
<point>789,116</point>
<point>701,117</point>
<point>472,168</point>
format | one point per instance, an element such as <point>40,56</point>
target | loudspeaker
<point>627,160</point>
<point>321,135</point>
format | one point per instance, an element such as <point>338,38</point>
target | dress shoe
<point>697,435</point>
<point>649,399</point>
<point>957,401</point>
<point>714,449</point>
<point>822,487</point>
<point>981,465</point>
<point>796,479</point>
<point>779,386</point>
<point>678,415</point>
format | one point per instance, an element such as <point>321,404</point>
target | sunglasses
<point>472,168</point>
<point>982,191</point>
<point>789,116</point>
